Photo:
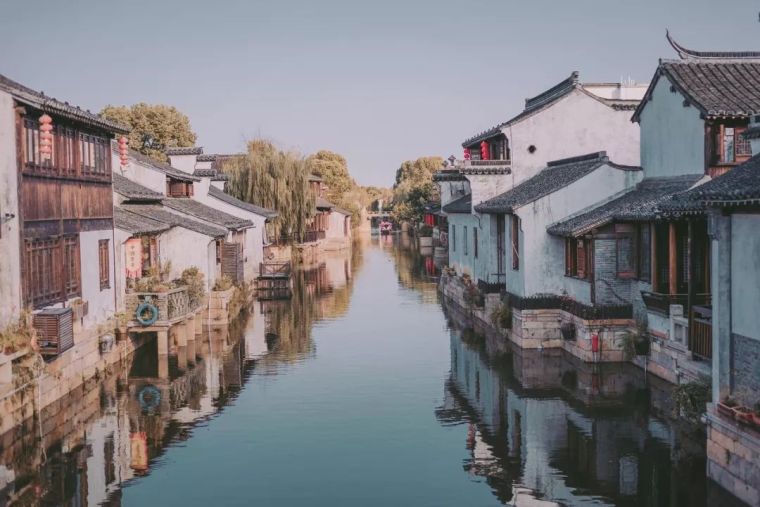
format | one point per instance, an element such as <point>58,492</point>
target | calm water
<point>361,391</point>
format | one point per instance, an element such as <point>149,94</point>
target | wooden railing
<point>700,334</point>
<point>274,269</point>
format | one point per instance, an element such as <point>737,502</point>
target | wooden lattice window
<point>475,241</point>
<point>515,235</point>
<point>577,254</point>
<point>104,264</point>
<point>94,155</point>
<point>43,278</point>
<point>72,268</point>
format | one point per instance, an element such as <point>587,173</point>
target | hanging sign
<point>133,255</point>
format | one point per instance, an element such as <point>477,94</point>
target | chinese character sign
<point>133,248</point>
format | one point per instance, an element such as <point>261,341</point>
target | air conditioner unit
<point>55,330</point>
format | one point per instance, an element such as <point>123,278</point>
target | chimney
<point>184,159</point>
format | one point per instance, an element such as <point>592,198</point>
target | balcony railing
<point>659,302</point>
<point>484,166</point>
<point>274,269</point>
<point>586,312</point>
<point>173,305</point>
<point>496,283</point>
<point>700,334</point>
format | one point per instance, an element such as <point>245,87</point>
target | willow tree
<point>276,179</point>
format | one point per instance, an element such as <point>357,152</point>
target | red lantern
<point>595,343</point>
<point>46,136</point>
<point>467,154</point>
<point>484,155</point>
<point>123,151</point>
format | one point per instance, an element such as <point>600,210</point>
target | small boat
<point>385,227</point>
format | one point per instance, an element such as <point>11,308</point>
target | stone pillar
<point>181,330</point>
<point>720,234</point>
<point>162,338</point>
<point>6,371</point>
<point>190,338</point>
<point>198,322</point>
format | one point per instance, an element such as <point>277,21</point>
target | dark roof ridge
<point>554,92</point>
<point>234,201</point>
<point>597,155</point>
<point>158,166</point>
<point>55,106</point>
<point>690,54</point>
<point>184,150</point>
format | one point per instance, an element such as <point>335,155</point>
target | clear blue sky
<point>378,81</point>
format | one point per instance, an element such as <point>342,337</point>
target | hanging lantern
<point>123,151</point>
<point>46,137</point>
<point>467,154</point>
<point>484,155</point>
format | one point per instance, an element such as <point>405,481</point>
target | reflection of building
<point>574,436</point>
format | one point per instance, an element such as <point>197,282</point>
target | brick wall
<point>746,370</point>
<point>610,290</point>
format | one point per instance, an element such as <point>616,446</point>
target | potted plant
<point>726,407</point>
<point>568,331</point>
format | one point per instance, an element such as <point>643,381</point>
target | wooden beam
<point>672,260</point>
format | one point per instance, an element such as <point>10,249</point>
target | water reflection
<point>544,425</point>
<point>510,427</point>
<point>100,439</point>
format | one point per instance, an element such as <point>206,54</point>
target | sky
<point>379,82</point>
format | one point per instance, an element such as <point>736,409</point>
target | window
<point>453,238</point>
<point>742,146</point>
<point>728,145</point>
<point>103,262</point>
<point>577,253</point>
<point>464,241</point>
<point>644,253</point>
<point>94,154</point>
<point>71,262</point>
<point>515,232</point>
<point>51,270</point>
<point>475,242</point>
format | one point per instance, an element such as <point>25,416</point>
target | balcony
<point>476,167</point>
<point>660,303</point>
<point>312,236</point>
<point>173,305</point>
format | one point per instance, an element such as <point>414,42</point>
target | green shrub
<point>192,278</point>
<point>691,399</point>
<point>501,317</point>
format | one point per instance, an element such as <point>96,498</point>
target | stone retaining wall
<point>733,457</point>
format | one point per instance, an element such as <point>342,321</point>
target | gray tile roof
<point>204,173</point>
<point>159,166</point>
<point>54,106</point>
<point>137,224</point>
<point>461,205</point>
<point>690,54</point>
<point>641,203</point>
<point>207,213</point>
<point>557,175</point>
<point>323,203</point>
<point>740,185</point>
<point>134,191</point>
<point>225,197</point>
<point>188,150</point>
<point>160,214</point>
<point>729,88</point>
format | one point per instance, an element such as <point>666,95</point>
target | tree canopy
<point>414,188</point>
<point>155,127</point>
<point>276,179</point>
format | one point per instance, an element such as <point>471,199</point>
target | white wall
<point>102,304</point>
<point>453,190</point>
<point>672,136</point>
<point>463,263</point>
<point>185,163</point>
<point>120,276</point>
<point>485,187</point>
<point>335,229</point>
<point>141,173</point>
<point>10,260</point>
<point>575,125</point>
<point>542,257</point>
<point>186,248</point>
<point>745,279</point>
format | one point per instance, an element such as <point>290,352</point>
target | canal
<point>363,390</point>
